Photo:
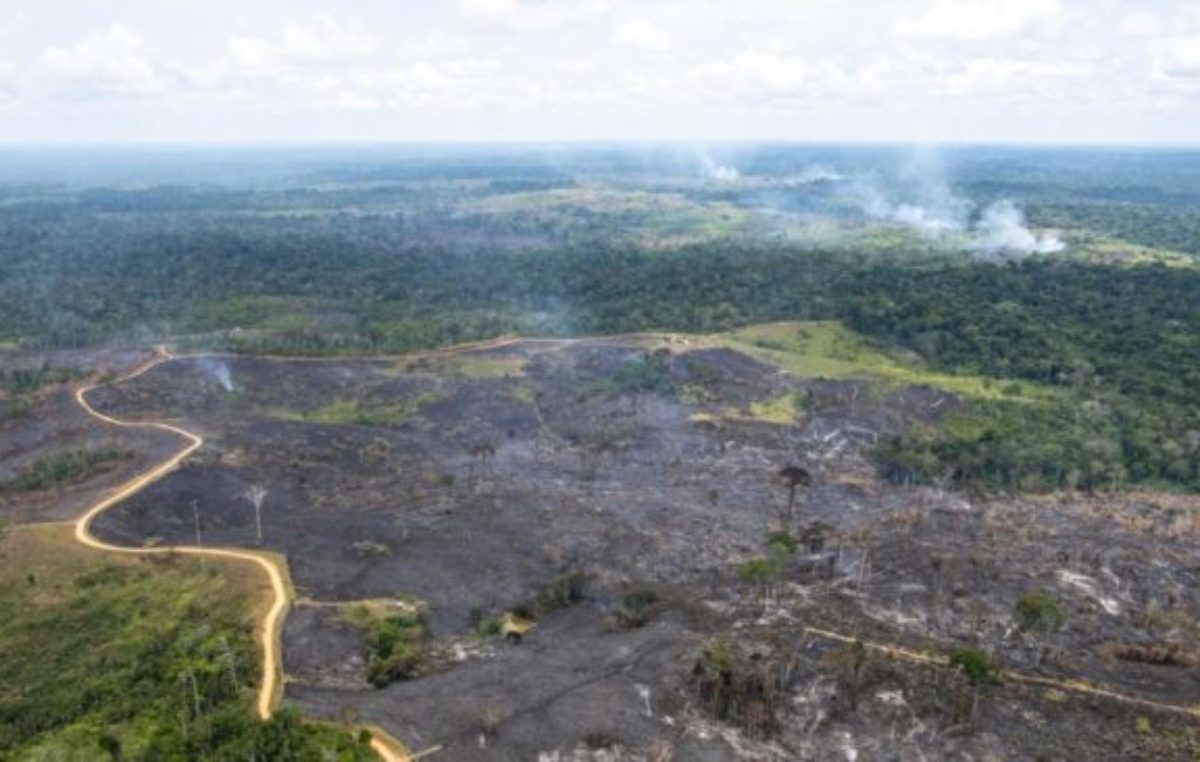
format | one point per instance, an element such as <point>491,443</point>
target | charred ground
<point>626,494</point>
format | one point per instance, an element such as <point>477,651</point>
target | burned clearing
<point>44,425</point>
<point>608,544</point>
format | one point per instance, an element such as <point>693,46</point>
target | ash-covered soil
<point>48,421</point>
<point>476,483</point>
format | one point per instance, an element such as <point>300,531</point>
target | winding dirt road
<point>269,630</point>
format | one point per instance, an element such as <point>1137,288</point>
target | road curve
<point>269,690</point>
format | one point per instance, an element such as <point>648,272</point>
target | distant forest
<point>365,261</point>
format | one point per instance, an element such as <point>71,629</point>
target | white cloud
<point>532,15</point>
<point>750,72</point>
<point>1141,24</point>
<point>322,39</point>
<point>9,86</point>
<point>451,85</point>
<point>978,19</point>
<point>114,61</point>
<point>640,33</point>
<point>804,69</point>
<point>14,25</point>
<point>991,76</point>
<point>1181,57</point>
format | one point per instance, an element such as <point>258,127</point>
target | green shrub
<point>1039,611</point>
<point>395,648</point>
<point>782,542</point>
<point>976,665</point>
<point>757,570</point>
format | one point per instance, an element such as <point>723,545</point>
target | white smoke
<point>219,372</point>
<point>718,172</point>
<point>1002,230</point>
<point>939,214</point>
<point>999,230</point>
<point>927,221</point>
<point>919,197</point>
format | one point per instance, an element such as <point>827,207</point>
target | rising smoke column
<point>218,371</point>
<point>1002,230</point>
<point>717,172</point>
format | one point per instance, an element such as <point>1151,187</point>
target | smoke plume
<point>717,172</point>
<point>1002,230</point>
<point>930,208</point>
<point>218,371</point>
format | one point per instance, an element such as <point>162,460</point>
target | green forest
<point>364,260</point>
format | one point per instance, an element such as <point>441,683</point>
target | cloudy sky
<point>1059,71</point>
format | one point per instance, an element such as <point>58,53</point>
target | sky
<point>302,71</point>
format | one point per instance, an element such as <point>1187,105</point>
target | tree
<point>793,477</point>
<point>256,494</point>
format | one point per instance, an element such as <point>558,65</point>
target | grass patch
<point>347,412</point>
<point>783,411</point>
<point>786,410</point>
<point>827,349</point>
<point>1090,246</point>
<point>487,367</point>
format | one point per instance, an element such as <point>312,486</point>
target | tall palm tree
<point>794,476</point>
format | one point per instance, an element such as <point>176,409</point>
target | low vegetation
<point>1039,611</point>
<point>26,380</point>
<point>149,659</point>
<point>748,689</point>
<point>395,648</point>
<point>976,665</point>
<point>64,468</point>
<point>359,412</point>
<point>636,607</point>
